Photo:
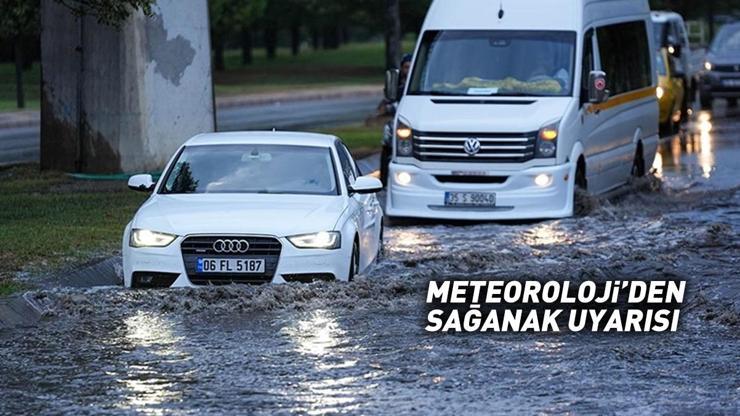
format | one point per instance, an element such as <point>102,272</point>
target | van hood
<point>481,114</point>
<point>279,215</point>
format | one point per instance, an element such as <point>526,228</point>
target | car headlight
<point>547,139</point>
<point>148,238</point>
<point>404,139</point>
<point>708,65</point>
<point>328,240</point>
<point>659,92</point>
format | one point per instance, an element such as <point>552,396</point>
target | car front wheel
<point>354,263</point>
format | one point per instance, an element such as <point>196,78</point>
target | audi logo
<point>472,146</point>
<point>231,246</point>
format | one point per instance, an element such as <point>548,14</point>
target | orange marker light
<point>403,132</point>
<point>548,134</point>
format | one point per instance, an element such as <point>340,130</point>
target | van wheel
<point>638,166</point>
<point>581,199</point>
<point>354,263</point>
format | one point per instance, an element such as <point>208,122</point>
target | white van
<point>511,105</point>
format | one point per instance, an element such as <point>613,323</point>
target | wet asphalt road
<point>360,348</point>
<point>21,144</point>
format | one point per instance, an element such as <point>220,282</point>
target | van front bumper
<point>517,196</point>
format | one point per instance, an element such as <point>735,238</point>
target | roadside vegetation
<point>31,85</point>
<point>352,64</point>
<point>50,221</point>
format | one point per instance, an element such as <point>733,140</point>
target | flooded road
<point>360,348</point>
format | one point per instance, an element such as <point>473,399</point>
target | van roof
<point>527,14</point>
<point>664,16</point>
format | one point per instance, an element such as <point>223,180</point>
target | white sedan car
<point>254,207</point>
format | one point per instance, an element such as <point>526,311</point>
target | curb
<point>298,96</point>
<point>23,119</point>
<point>19,312</point>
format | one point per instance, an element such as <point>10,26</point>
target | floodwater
<point>360,348</point>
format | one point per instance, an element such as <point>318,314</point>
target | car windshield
<point>728,40</point>
<point>504,63</point>
<point>264,169</point>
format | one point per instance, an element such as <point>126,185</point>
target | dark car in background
<point>720,76</point>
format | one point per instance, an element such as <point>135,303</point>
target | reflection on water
<point>153,343</point>
<point>691,157</point>
<point>546,234</point>
<point>412,240</point>
<point>320,336</point>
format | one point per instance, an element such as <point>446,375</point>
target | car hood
<point>279,215</point>
<point>723,58</point>
<point>483,115</point>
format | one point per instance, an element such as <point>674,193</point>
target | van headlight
<point>328,240</point>
<point>547,141</point>
<point>404,139</point>
<point>147,238</point>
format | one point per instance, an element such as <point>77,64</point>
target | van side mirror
<point>391,84</point>
<point>597,92</point>
<point>141,183</point>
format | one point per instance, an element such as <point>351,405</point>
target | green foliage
<point>108,12</point>
<point>228,16</point>
<point>18,18</point>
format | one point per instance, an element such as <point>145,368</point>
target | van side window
<point>588,63</point>
<point>625,56</point>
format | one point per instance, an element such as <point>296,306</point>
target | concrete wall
<point>137,92</point>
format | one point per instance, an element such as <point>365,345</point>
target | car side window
<point>588,63</point>
<point>356,168</point>
<point>348,169</point>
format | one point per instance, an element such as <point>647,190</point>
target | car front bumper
<point>518,197</point>
<point>720,84</point>
<point>292,263</point>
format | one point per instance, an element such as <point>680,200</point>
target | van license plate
<point>230,265</point>
<point>470,199</point>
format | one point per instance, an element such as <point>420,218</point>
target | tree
<point>20,18</point>
<point>231,17</point>
<point>392,34</point>
<point>108,12</point>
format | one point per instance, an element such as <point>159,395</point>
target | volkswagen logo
<point>231,246</point>
<point>472,146</point>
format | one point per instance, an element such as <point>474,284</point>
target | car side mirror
<point>141,183</point>
<point>391,84</point>
<point>366,185</point>
<point>597,92</point>
<point>675,50</point>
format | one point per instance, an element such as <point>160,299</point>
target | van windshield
<point>502,63</point>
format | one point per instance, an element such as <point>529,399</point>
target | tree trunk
<point>710,18</point>
<point>315,38</point>
<point>271,42</point>
<point>218,52</point>
<point>246,45</point>
<point>331,37</point>
<point>295,38</point>
<point>392,34</point>
<point>18,52</point>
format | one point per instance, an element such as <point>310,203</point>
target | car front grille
<point>192,248</point>
<point>727,68</point>
<point>494,147</point>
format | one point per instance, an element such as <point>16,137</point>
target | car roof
<point>263,137</point>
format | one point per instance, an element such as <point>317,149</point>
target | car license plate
<point>474,199</point>
<point>230,265</point>
<point>731,83</point>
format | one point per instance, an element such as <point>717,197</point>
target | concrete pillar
<point>123,99</point>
